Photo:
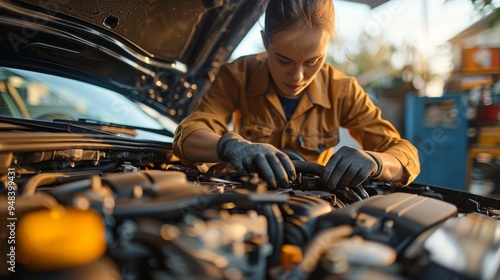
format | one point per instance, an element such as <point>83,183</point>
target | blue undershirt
<point>289,105</point>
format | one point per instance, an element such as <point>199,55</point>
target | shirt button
<point>288,130</point>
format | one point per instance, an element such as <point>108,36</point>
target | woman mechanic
<point>288,98</point>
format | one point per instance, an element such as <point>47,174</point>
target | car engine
<point>177,222</point>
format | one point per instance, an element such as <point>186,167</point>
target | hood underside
<point>162,53</point>
<point>165,30</point>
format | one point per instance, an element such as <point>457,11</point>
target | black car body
<point>91,189</point>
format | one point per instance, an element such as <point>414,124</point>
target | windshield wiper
<point>53,126</point>
<point>114,127</point>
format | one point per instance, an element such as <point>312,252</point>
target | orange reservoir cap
<point>60,238</point>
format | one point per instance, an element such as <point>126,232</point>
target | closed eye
<point>283,61</point>
<point>312,63</point>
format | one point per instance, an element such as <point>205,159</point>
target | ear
<point>265,39</point>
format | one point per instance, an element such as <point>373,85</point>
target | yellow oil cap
<point>290,256</point>
<point>60,238</point>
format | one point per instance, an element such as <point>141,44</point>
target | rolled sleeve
<point>407,155</point>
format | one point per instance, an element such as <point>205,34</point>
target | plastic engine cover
<point>395,219</point>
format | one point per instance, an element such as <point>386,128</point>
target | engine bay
<point>144,220</point>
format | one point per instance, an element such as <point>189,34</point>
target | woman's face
<point>295,57</point>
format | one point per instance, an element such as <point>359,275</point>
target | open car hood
<point>162,53</point>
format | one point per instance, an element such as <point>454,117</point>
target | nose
<point>297,74</point>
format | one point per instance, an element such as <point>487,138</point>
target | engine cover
<point>395,219</point>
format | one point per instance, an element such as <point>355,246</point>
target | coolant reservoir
<point>60,238</point>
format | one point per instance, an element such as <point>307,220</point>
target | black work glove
<point>270,163</point>
<point>349,167</point>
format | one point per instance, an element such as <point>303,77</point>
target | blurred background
<point>433,68</point>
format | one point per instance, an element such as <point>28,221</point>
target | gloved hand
<point>270,163</point>
<point>349,167</point>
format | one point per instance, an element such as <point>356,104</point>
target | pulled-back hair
<point>314,14</point>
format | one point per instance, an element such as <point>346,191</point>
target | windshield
<point>33,95</point>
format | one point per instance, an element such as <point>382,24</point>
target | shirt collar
<point>318,91</point>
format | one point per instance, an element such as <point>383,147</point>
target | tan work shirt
<point>243,94</point>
